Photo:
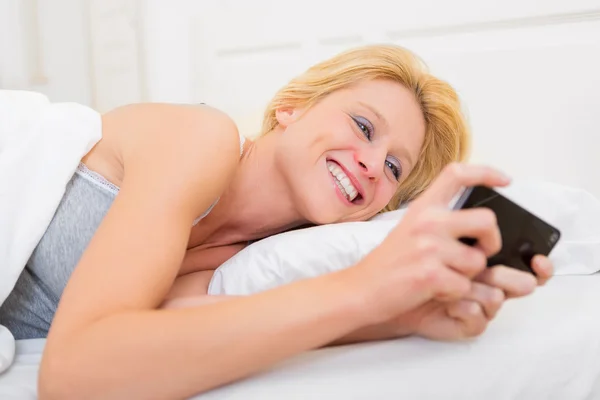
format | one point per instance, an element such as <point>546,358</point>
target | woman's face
<point>344,158</point>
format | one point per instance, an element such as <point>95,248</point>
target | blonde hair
<point>447,136</point>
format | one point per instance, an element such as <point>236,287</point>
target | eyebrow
<point>380,117</point>
<point>374,111</point>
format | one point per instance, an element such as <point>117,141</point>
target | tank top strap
<point>242,142</point>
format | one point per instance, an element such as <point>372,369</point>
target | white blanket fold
<point>41,144</point>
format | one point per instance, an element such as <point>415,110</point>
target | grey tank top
<point>29,309</point>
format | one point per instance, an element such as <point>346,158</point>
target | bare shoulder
<point>147,124</point>
<point>176,161</point>
<point>184,149</point>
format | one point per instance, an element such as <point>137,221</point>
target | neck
<point>258,202</point>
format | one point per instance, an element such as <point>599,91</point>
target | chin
<point>319,212</point>
<point>322,218</point>
<point>320,202</point>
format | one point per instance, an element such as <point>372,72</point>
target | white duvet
<point>41,144</point>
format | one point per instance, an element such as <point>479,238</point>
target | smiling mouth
<point>343,182</point>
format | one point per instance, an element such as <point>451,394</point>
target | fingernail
<point>505,177</point>
<point>473,309</point>
<point>543,263</point>
<point>529,285</point>
<point>498,296</point>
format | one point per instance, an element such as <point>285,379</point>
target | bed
<point>528,74</point>
<point>545,346</point>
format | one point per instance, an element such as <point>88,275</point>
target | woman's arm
<point>189,288</point>
<point>109,341</point>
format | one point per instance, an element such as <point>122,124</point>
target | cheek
<point>334,138</point>
<point>384,193</point>
<point>340,133</point>
<point>316,137</point>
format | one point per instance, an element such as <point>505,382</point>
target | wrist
<point>362,295</point>
<point>381,298</point>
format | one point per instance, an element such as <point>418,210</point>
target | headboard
<point>528,71</point>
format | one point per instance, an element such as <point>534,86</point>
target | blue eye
<point>367,129</point>
<point>365,126</point>
<point>395,167</point>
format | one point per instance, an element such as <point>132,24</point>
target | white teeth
<point>342,181</point>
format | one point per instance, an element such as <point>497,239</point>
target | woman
<point>171,192</point>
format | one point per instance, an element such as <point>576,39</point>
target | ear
<point>285,116</point>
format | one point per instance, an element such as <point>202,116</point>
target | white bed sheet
<point>546,346</point>
<point>19,382</point>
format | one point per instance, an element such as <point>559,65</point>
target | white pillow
<point>314,251</point>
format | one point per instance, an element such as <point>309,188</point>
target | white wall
<point>87,51</point>
<point>526,69</point>
<point>168,48</point>
<point>61,42</point>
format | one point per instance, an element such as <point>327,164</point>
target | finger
<point>489,297</point>
<point>543,268</point>
<point>513,282</point>
<point>477,223</point>
<point>442,283</point>
<point>455,176</point>
<point>466,260</point>
<point>470,315</point>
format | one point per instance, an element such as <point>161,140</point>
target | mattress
<point>545,346</point>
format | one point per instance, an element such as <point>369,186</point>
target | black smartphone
<point>524,234</point>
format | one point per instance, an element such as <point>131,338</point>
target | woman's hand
<point>422,259</point>
<point>471,315</point>
<point>543,268</point>
<point>463,318</point>
<point>502,276</point>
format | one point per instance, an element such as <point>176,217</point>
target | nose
<point>370,162</point>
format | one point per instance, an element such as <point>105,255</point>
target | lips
<point>346,182</point>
